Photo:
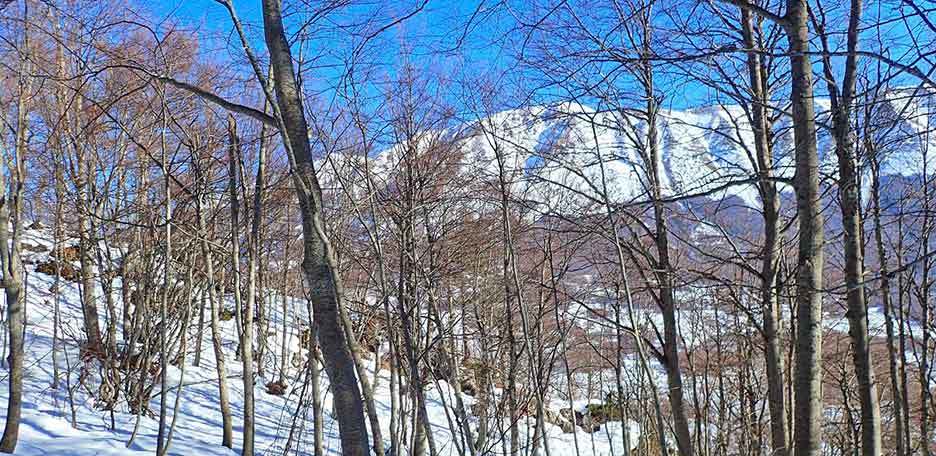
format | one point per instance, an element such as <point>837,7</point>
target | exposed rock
<point>472,375</point>
<point>276,388</point>
<point>469,385</point>
<point>595,415</point>
<point>66,270</point>
<point>602,413</point>
<point>572,416</point>
<point>557,419</point>
<point>36,248</point>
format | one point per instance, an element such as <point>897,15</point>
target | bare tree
<point>11,213</point>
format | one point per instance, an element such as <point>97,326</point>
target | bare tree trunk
<point>850,198</point>
<point>921,291</point>
<point>897,391</point>
<point>183,342</point>
<point>406,307</point>
<point>58,232</point>
<point>857,305</point>
<point>367,388</point>
<point>807,407</point>
<point>664,268</point>
<point>214,304</point>
<point>11,200</point>
<point>315,374</point>
<point>319,265</point>
<point>513,294</point>
<point>242,309</point>
<point>377,245</point>
<point>164,301</point>
<point>902,328</point>
<point>563,338</point>
<point>284,299</point>
<point>319,262</point>
<point>780,441</point>
<point>227,438</point>
<point>85,247</point>
<point>17,324</point>
<point>628,299</point>
<point>201,329</point>
<point>253,288</point>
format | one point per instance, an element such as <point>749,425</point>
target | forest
<point>468,227</point>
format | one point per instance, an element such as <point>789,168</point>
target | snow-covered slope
<point>569,150</point>
<point>46,423</point>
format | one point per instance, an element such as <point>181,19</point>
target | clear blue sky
<point>437,27</point>
<point>426,35</point>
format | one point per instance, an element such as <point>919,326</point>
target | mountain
<point>551,154</point>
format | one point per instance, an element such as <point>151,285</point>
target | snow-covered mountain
<point>556,156</point>
<point>559,158</point>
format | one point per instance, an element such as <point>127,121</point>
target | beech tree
<point>662,227</point>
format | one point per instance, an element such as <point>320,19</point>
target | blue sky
<point>437,27</point>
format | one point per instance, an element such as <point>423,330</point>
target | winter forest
<point>468,227</point>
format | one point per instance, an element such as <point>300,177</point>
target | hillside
<point>50,426</point>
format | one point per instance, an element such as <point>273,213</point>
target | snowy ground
<point>46,427</point>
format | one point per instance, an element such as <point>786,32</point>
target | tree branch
<point>218,100</point>
<point>760,11</point>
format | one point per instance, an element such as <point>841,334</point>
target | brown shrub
<point>69,253</point>
<point>226,314</point>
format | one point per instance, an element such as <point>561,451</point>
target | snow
<point>46,429</point>
<point>555,159</point>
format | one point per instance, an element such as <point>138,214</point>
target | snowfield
<point>46,427</point>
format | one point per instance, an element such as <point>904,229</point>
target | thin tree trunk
<point>164,301</point>
<point>253,277</point>
<point>850,202</point>
<point>664,267</point>
<point>183,342</point>
<point>227,438</point>
<point>85,247</point>
<point>201,329</point>
<point>245,311</point>
<point>771,208</point>
<point>896,387</point>
<point>10,217</point>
